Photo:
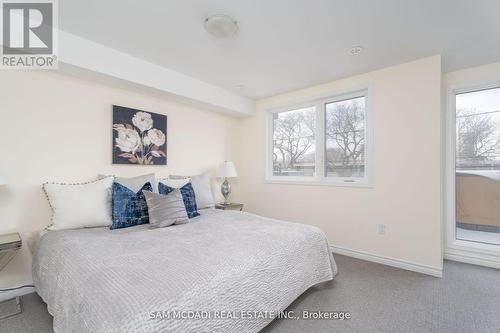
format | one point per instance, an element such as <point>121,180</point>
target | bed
<point>214,269</point>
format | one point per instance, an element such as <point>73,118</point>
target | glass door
<point>477,166</point>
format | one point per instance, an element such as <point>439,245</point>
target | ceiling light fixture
<point>220,25</point>
<point>355,50</point>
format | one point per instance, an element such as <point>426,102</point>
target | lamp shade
<point>226,170</point>
<point>3,180</point>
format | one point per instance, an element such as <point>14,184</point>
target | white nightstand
<point>229,206</point>
<point>9,246</point>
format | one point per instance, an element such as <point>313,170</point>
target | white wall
<point>58,128</point>
<point>406,161</point>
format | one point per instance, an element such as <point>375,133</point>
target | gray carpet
<point>379,298</point>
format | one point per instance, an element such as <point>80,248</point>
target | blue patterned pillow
<point>187,195</point>
<point>129,208</point>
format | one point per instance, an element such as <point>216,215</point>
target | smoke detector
<point>355,50</point>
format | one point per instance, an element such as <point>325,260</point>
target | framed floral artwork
<point>139,137</point>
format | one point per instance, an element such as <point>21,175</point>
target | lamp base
<point>225,189</point>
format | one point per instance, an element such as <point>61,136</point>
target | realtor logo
<point>29,34</point>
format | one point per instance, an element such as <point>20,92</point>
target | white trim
<point>472,258</point>
<point>476,86</point>
<point>319,104</point>
<point>313,182</point>
<point>320,141</point>
<point>450,168</point>
<point>456,249</point>
<point>398,263</point>
<point>6,295</point>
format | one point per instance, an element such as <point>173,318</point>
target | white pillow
<point>202,191</point>
<point>80,205</point>
<point>201,187</point>
<point>135,183</point>
<point>175,182</point>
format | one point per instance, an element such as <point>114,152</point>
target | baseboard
<point>5,295</point>
<point>398,263</point>
<point>472,258</point>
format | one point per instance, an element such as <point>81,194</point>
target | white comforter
<point>219,264</point>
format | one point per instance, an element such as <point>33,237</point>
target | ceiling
<point>289,44</point>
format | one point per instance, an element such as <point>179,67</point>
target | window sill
<point>359,184</point>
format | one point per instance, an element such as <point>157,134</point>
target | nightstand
<point>9,246</point>
<point>229,206</point>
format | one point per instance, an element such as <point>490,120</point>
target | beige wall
<point>406,159</point>
<point>57,128</point>
<point>479,75</point>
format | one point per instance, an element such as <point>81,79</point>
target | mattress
<point>214,269</point>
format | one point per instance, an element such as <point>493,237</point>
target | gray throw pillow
<point>165,210</point>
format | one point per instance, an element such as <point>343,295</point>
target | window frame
<point>319,178</point>
<point>458,249</point>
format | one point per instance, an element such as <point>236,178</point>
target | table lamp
<point>226,170</point>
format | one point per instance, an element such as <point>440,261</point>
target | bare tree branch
<point>345,134</point>
<point>478,138</point>
<point>293,137</point>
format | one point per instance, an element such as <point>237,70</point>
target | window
<point>477,166</point>
<point>294,142</point>
<point>321,142</point>
<point>345,138</point>
<point>478,130</point>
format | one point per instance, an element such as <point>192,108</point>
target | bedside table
<point>229,206</point>
<point>9,246</point>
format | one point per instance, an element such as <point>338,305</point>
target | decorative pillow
<point>165,210</point>
<point>187,195</point>
<point>136,183</point>
<point>201,186</point>
<point>80,205</point>
<point>129,207</point>
<point>203,191</point>
<point>175,182</point>
<point>178,177</point>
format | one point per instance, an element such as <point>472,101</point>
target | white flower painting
<point>139,137</point>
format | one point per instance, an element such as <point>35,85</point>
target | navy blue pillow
<point>187,195</point>
<point>129,208</point>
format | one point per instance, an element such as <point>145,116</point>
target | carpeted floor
<point>379,299</point>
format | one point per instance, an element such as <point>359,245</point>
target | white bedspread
<point>221,263</point>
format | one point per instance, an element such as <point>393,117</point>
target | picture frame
<point>139,137</point>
